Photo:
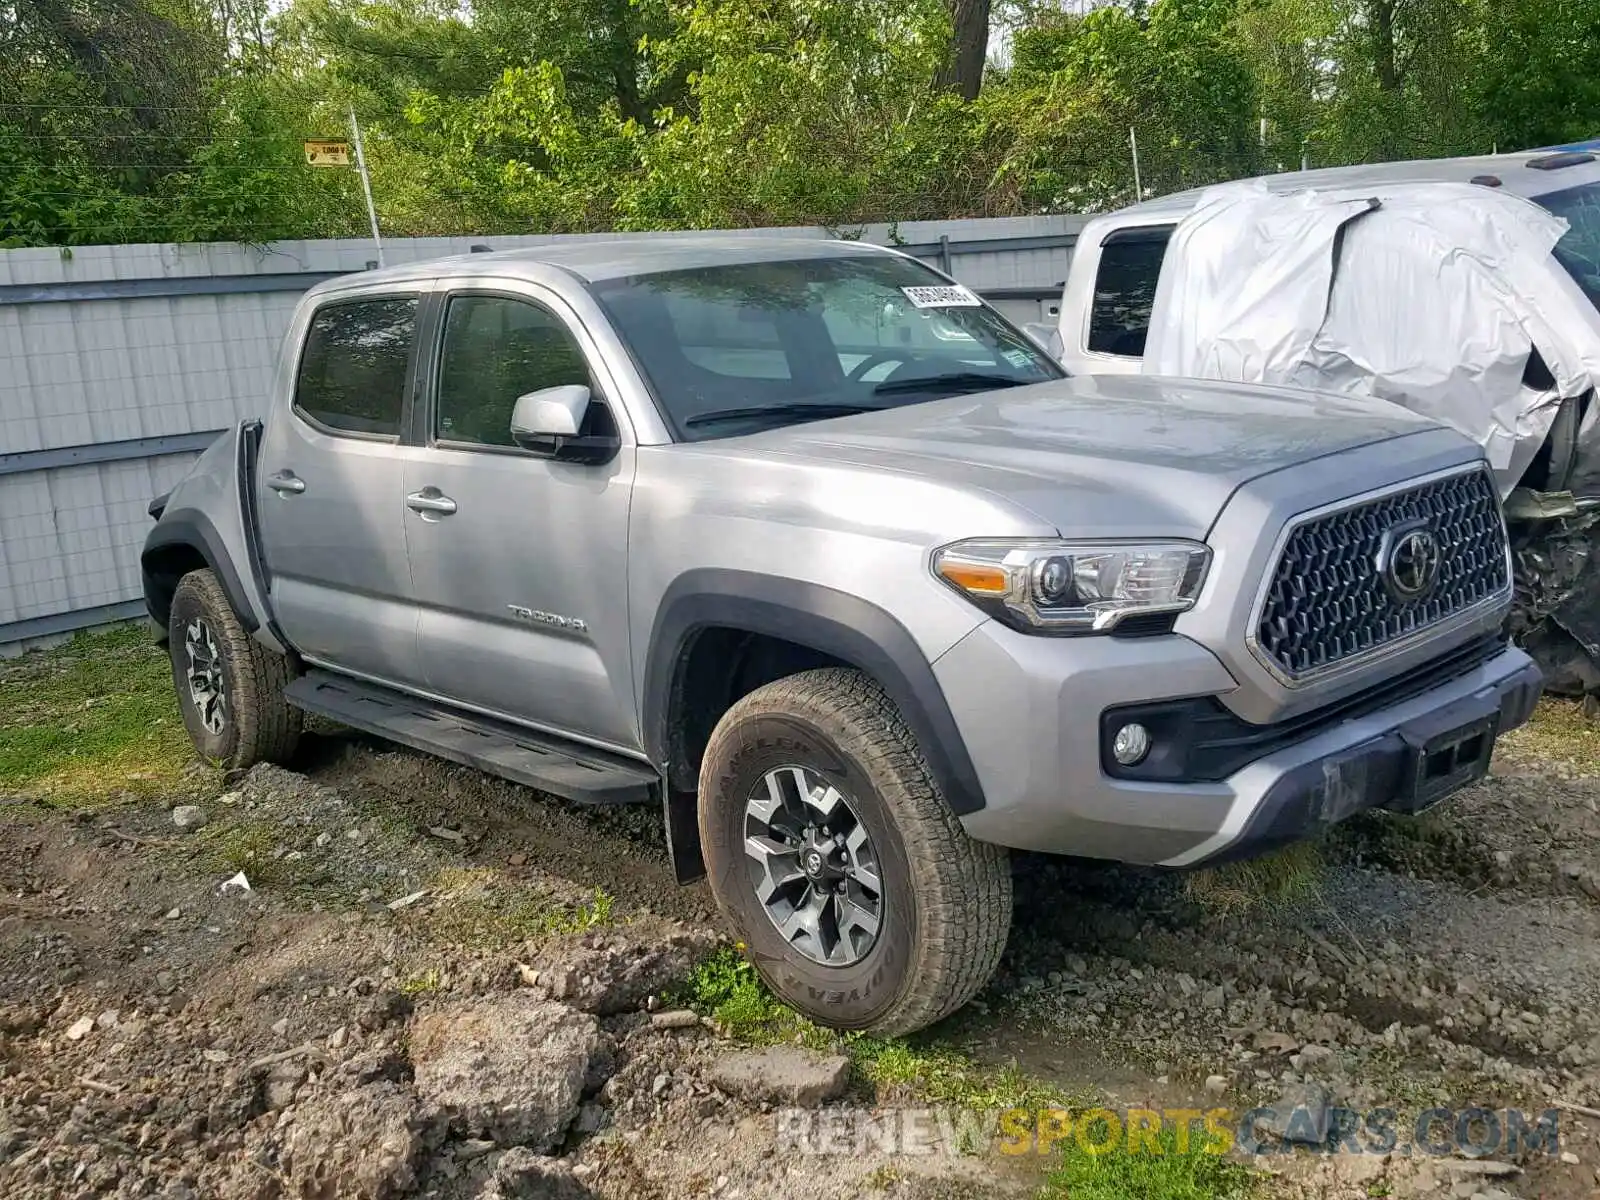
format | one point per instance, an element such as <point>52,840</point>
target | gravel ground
<point>162,1036</point>
<point>435,986</point>
<point>1451,960</point>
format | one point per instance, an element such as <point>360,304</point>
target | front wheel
<point>230,687</point>
<point>838,863</point>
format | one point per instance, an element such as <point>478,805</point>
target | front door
<point>518,560</point>
<point>330,492</point>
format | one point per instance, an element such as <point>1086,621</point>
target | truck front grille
<point>1334,595</point>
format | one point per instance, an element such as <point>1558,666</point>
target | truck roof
<point>1526,173</point>
<point>594,258</point>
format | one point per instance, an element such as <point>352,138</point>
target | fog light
<point>1131,744</point>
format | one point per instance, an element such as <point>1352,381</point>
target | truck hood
<point>1094,456</point>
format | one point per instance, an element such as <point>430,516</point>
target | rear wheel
<point>832,854</point>
<point>230,687</point>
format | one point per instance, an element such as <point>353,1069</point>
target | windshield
<point>734,349</point>
<point>1579,248</point>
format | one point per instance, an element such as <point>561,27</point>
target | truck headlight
<point>1047,586</point>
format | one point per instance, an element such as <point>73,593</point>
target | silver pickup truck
<point>803,542</point>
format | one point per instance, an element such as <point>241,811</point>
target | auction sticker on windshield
<point>952,296</point>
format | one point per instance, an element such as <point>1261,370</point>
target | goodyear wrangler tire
<point>838,863</point>
<point>230,687</point>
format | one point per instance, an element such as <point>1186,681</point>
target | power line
<point>92,136</point>
<point>201,166</point>
<point>21,230</point>
<point>205,108</point>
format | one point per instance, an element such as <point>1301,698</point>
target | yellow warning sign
<point>328,154</point>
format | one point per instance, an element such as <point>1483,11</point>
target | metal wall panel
<point>104,347</point>
<point>70,537</point>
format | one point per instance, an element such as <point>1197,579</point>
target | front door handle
<point>286,482</point>
<point>431,500</point>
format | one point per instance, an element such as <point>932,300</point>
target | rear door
<point>331,490</point>
<point>519,559</point>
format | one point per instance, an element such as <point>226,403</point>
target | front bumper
<point>1029,710</point>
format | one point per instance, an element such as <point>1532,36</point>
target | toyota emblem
<point>1410,562</point>
<point>813,863</point>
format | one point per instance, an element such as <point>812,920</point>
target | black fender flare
<point>192,529</point>
<point>837,624</point>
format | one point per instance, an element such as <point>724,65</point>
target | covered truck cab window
<point>1125,289</point>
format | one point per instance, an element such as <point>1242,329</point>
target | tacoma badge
<point>536,617</point>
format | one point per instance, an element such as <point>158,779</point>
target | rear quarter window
<point>1125,289</point>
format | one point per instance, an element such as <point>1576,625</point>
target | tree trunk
<point>969,46</point>
<point>1383,52</point>
<point>624,52</point>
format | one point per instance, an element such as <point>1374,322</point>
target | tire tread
<point>267,728</point>
<point>962,887</point>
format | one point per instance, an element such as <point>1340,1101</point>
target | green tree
<point>1537,84</point>
<point>1175,73</point>
<point>148,120</point>
<point>182,119</point>
<point>1401,79</point>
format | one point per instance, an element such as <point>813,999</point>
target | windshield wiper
<point>960,381</point>
<point>814,411</point>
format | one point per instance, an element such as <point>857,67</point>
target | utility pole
<point>366,183</point>
<point>1138,184</point>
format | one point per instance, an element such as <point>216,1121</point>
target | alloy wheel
<point>207,688</point>
<point>813,867</point>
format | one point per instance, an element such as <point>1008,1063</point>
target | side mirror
<point>553,412</point>
<point>1047,337</point>
<point>565,423</point>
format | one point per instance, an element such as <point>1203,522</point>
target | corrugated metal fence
<point>118,364</point>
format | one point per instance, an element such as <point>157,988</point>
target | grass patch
<point>1283,879</point>
<point>423,983</point>
<point>919,1069</point>
<point>481,908</point>
<point>91,719</point>
<point>1189,1173</point>
<point>884,1177</point>
<point>248,846</point>
<point>727,989</point>
<point>1559,735</point>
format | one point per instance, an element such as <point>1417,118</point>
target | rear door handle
<point>430,500</point>
<point>286,482</point>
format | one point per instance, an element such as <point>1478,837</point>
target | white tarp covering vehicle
<point>1467,289</point>
<point>1434,296</point>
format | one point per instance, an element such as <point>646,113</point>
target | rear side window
<point>353,369</point>
<point>1125,290</point>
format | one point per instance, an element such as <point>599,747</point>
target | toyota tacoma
<point>803,542</point>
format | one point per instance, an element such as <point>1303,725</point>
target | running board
<point>547,763</point>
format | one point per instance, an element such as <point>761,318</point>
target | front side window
<point>353,369</point>
<point>737,348</point>
<point>495,350</point>
<point>1578,251</point>
<point>1125,290</point>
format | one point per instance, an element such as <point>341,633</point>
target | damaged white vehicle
<point>1467,289</point>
